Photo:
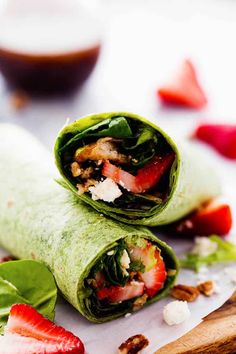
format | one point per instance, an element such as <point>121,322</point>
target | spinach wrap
<point>128,168</point>
<point>102,267</point>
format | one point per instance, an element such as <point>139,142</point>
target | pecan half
<point>206,288</point>
<point>140,302</point>
<point>133,345</point>
<point>185,292</point>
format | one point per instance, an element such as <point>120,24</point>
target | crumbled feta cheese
<point>106,190</point>
<point>204,246</point>
<point>127,314</point>
<point>176,312</point>
<point>110,253</point>
<point>231,272</point>
<point>125,262</point>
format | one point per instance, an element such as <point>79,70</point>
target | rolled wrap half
<point>102,267</point>
<point>128,168</point>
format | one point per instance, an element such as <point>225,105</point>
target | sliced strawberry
<point>155,274</point>
<point>155,278</point>
<point>147,176</point>
<point>116,294</point>
<point>185,89</point>
<point>28,332</point>
<point>221,137</point>
<point>208,220</point>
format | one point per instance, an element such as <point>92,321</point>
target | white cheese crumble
<point>110,253</point>
<point>106,190</point>
<point>204,246</point>
<point>125,262</point>
<point>176,312</point>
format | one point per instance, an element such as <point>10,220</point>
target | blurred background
<point>122,51</point>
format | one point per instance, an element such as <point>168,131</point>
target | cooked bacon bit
<point>140,302</point>
<point>206,288</point>
<point>102,149</point>
<point>19,100</point>
<point>7,259</point>
<point>82,188</point>
<point>133,345</point>
<point>185,292</point>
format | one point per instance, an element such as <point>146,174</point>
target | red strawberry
<point>116,294</point>
<point>155,273</point>
<point>28,332</point>
<point>155,278</point>
<point>184,90</point>
<point>208,220</point>
<point>221,137</point>
<point>147,176</point>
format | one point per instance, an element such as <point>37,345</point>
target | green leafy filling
<point>26,282</point>
<point>226,252</point>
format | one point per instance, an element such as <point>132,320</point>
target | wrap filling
<point>126,277</point>
<point>121,162</point>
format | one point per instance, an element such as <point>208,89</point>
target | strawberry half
<point>116,294</point>
<point>28,332</point>
<point>147,177</point>
<point>208,220</point>
<point>155,274</point>
<point>184,90</point>
<point>221,137</point>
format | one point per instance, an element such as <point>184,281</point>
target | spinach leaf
<point>225,252</point>
<point>116,128</point>
<point>145,134</point>
<point>27,282</point>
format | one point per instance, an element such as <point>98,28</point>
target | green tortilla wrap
<point>102,267</point>
<point>128,168</point>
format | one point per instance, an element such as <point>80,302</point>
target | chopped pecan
<point>82,188</point>
<point>133,345</point>
<point>103,149</point>
<point>139,302</point>
<point>78,171</point>
<point>75,169</point>
<point>206,288</point>
<point>185,292</point>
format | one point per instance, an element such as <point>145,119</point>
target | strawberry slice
<point>155,274</point>
<point>116,294</point>
<point>155,278</point>
<point>28,332</point>
<point>147,177</point>
<point>221,137</point>
<point>208,220</point>
<point>185,89</point>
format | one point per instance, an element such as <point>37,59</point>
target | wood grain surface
<point>215,335</point>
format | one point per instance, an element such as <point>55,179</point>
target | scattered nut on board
<point>185,292</point>
<point>133,345</point>
<point>206,288</point>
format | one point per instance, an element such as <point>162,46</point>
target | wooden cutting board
<point>215,335</point>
